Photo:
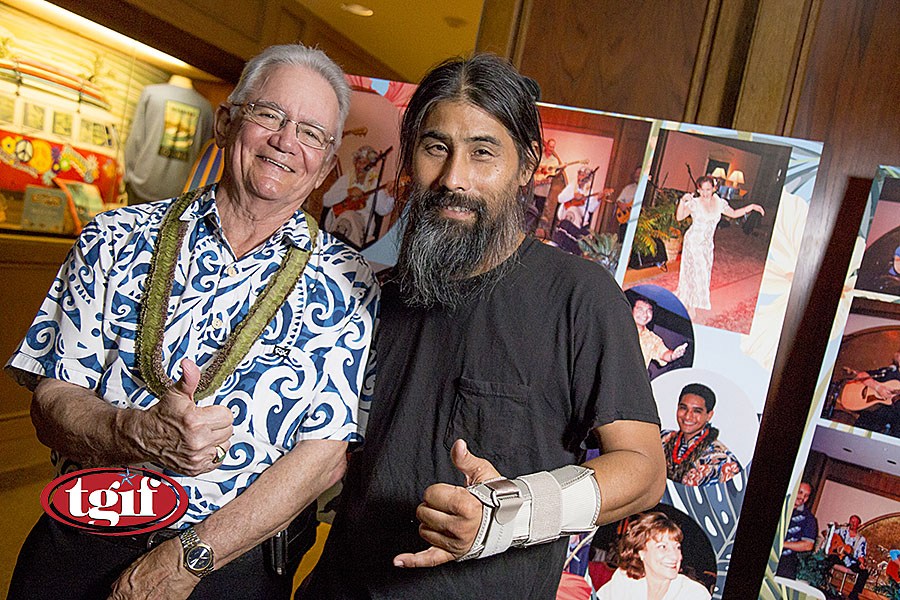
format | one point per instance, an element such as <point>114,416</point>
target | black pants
<point>788,565</point>
<point>862,575</point>
<point>62,562</point>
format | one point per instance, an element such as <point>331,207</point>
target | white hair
<point>301,56</point>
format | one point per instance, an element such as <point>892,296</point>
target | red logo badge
<point>122,501</point>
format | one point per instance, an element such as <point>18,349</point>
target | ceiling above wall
<point>858,450</point>
<point>408,37</point>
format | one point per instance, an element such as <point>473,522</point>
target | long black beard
<point>438,256</point>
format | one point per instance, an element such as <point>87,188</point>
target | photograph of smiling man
<point>694,454</point>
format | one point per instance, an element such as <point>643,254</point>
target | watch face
<point>198,558</point>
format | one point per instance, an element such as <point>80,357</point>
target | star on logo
<point>127,476</point>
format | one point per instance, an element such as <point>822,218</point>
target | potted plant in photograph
<point>816,570</point>
<point>658,221</point>
<point>603,248</point>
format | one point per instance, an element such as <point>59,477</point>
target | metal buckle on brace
<point>507,498</point>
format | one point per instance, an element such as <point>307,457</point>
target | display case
<point>69,90</point>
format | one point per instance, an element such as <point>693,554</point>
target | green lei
<point>158,290</point>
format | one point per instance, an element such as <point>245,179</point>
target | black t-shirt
<point>523,374</point>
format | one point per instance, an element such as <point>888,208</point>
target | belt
<point>141,541</point>
<point>154,538</point>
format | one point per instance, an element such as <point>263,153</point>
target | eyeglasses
<point>274,119</point>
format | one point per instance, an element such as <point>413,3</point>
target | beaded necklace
<point>154,307</point>
<point>691,447</point>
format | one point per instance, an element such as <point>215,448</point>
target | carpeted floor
<point>736,277</point>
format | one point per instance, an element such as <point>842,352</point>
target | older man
<point>847,547</point>
<point>356,202</point>
<point>576,200</point>
<point>264,323</point>
<point>496,354</point>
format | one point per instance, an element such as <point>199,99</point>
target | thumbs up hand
<point>450,516</point>
<point>177,434</point>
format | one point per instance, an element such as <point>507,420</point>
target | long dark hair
<point>705,179</point>
<point>491,84</point>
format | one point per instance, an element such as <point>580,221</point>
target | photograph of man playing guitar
<point>847,547</point>
<point>356,203</point>
<point>874,394</point>
<point>549,181</point>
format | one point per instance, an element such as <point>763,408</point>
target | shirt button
<point>231,270</point>
<point>217,323</point>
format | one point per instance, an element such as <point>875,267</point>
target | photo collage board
<point>839,531</point>
<point>709,290</point>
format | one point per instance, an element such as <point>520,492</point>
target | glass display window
<point>69,90</point>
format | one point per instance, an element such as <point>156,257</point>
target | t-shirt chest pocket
<point>491,417</point>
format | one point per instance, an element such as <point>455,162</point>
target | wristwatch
<point>198,557</point>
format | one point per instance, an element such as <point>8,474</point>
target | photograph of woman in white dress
<point>698,250</point>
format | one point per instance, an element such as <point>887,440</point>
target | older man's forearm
<point>173,433</point>
<point>263,509</point>
<point>274,499</point>
<point>82,426</point>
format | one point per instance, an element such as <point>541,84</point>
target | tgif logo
<point>108,501</point>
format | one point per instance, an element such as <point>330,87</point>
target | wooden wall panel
<point>234,25</point>
<point>499,27</point>
<point>292,23</point>
<point>27,268</point>
<point>845,92</point>
<point>770,77</point>
<point>716,95</point>
<point>630,57</point>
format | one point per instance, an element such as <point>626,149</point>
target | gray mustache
<point>437,200</point>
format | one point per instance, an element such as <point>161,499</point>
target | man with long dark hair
<point>498,355</point>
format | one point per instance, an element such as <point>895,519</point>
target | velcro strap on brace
<point>534,509</point>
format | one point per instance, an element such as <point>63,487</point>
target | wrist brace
<point>534,509</point>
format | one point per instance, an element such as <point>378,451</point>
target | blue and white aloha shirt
<point>857,542</point>
<point>307,377</point>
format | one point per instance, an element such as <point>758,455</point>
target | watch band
<point>197,557</point>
